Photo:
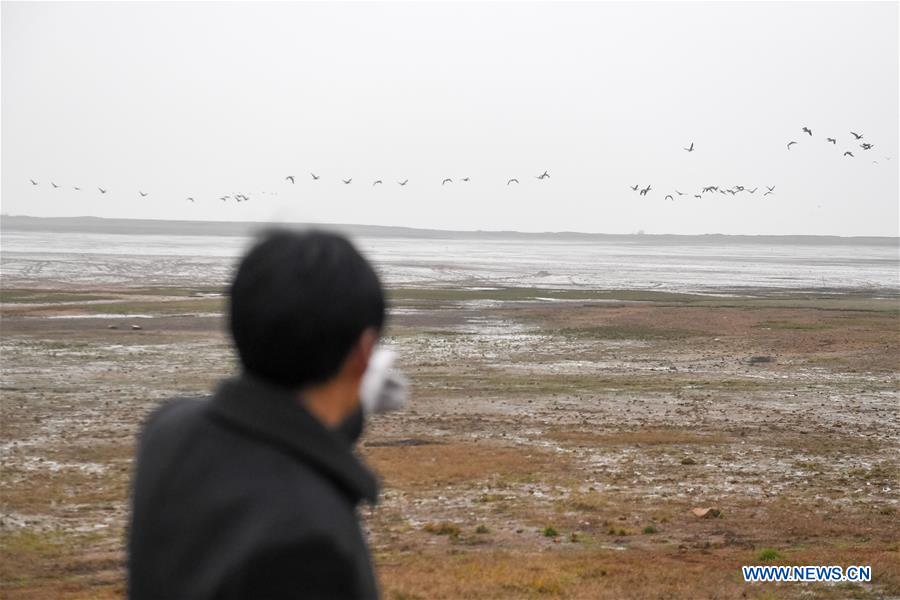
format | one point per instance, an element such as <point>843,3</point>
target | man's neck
<point>331,402</point>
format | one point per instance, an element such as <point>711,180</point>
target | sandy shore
<point>555,444</point>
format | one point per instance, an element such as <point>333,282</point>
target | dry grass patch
<point>433,465</point>
<point>646,437</point>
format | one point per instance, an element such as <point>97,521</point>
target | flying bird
<point>848,153</point>
<point>543,175</point>
<point>767,193</point>
<point>376,182</point>
<point>691,149</point>
<point>448,180</point>
<point>290,177</point>
<point>314,176</point>
<point>669,197</point>
<point>771,189</point>
<point>679,193</point>
<point>635,187</point>
<point>807,130</point>
<point>190,199</point>
<point>697,196</point>
<point>102,191</point>
<point>790,144</point>
<point>404,182</point>
<point>224,198</point>
<point>143,194</point>
<point>856,135</point>
<point>865,146</point>
<point>77,189</point>
<point>753,191</point>
<point>347,181</point>
<point>466,179</point>
<point>54,185</point>
<point>645,190</point>
<point>33,182</point>
<point>832,140</point>
<point>511,180</point>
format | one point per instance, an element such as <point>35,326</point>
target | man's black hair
<point>299,302</point>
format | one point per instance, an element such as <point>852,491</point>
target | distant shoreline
<point>249,228</point>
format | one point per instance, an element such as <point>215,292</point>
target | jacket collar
<point>273,413</point>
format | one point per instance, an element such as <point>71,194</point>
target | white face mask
<point>383,387</point>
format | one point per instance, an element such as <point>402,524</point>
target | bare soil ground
<point>555,444</point>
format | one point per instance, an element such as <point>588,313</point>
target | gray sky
<point>208,99</point>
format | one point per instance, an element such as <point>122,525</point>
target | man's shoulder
<point>175,413</point>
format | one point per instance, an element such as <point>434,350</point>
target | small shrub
<point>550,532</point>
<point>649,529</point>
<point>481,529</point>
<point>687,460</point>
<point>768,554</point>
<point>443,529</point>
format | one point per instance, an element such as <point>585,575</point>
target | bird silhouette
<point>54,185</point>
<point>465,179</point>
<point>143,194</point>
<point>866,146</point>
<point>290,177</point>
<point>791,144</point>
<point>102,191</point>
<point>512,180</point>
<point>832,140</point>
<point>691,149</point>
<point>856,135</point>
<point>190,199</point>
<point>77,189</point>
<point>767,193</point>
<point>732,192</point>
<point>645,190</point>
<point>697,196</point>
<point>543,175</point>
<point>753,191</point>
<point>33,182</point>
<point>807,130</point>
<point>635,187</point>
<point>404,182</point>
<point>679,193</point>
<point>669,197</point>
<point>224,198</point>
<point>314,176</point>
<point>347,181</point>
<point>848,153</point>
<point>376,182</point>
<point>771,189</point>
<point>448,180</point>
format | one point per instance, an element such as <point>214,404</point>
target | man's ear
<point>358,361</point>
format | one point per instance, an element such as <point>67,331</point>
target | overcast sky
<point>212,99</point>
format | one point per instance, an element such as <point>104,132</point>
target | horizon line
<point>457,231</point>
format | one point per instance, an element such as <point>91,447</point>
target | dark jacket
<point>247,495</point>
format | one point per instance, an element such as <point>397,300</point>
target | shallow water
<point>702,266</point>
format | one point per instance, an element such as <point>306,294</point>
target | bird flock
<point>739,189</point>
<point>637,188</point>
<point>833,141</point>
<point>240,197</point>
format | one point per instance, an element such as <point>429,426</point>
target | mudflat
<point>555,445</point>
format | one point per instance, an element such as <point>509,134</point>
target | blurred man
<point>253,493</point>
